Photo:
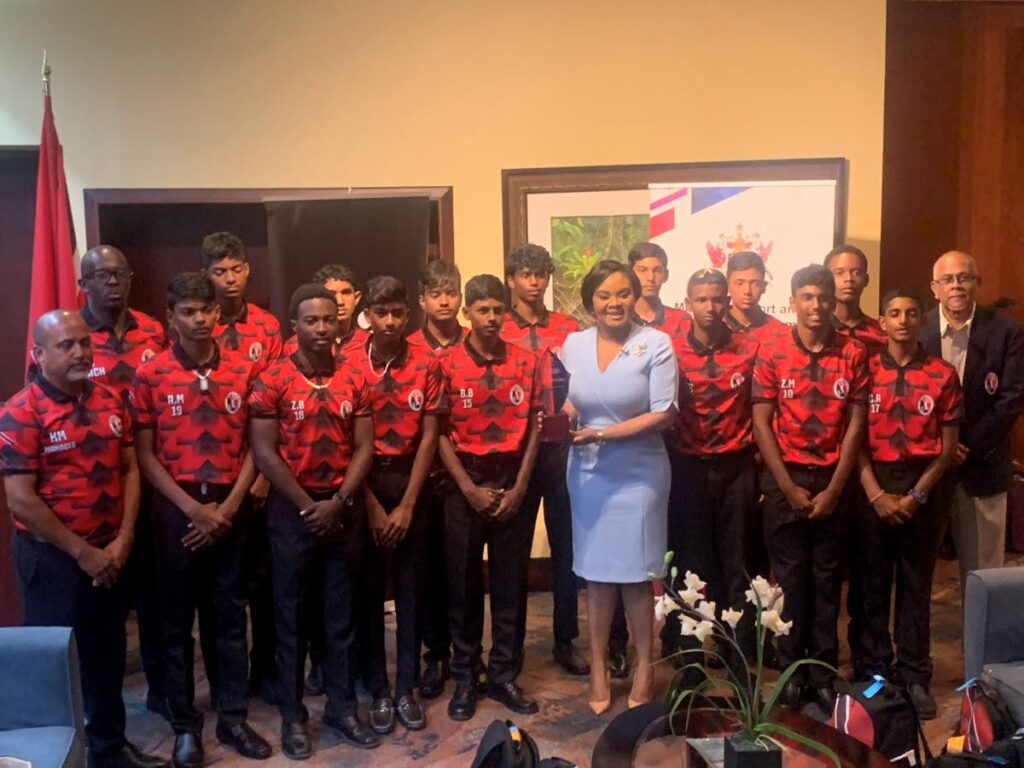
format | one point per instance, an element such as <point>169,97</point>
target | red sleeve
<point>765,388</point>
<point>275,347</point>
<point>264,397</point>
<point>140,400</point>
<point>951,400</point>
<point>19,438</point>
<point>434,400</point>
<point>363,405</point>
<point>538,384</point>
<point>127,435</point>
<point>861,382</point>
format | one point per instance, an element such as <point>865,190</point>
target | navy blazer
<point>993,396</point>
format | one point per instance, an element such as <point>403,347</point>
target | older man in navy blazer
<point>987,349</point>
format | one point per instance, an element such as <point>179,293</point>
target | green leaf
<point>770,702</point>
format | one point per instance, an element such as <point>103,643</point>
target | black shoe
<point>481,683</point>
<point>382,716</point>
<point>315,681</point>
<point>824,696</point>
<point>462,705</point>
<point>432,679</point>
<point>790,696</point>
<point>188,750</point>
<point>295,742</point>
<point>923,701</point>
<point>410,714</point>
<point>618,663</point>
<point>569,659</point>
<point>512,696</point>
<point>244,740</point>
<point>130,756</point>
<point>158,705</point>
<point>353,731</point>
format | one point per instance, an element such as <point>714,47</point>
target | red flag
<point>54,284</point>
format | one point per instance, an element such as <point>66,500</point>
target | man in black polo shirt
<point>72,485</point>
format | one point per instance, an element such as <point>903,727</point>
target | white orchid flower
<point>761,593</point>
<point>692,581</point>
<point>703,629</point>
<point>706,609</point>
<point>772,621</point>
<point>780,601</point>
<point>688,626</point>
<point>732,617</point>
<point>663,606</point>
<point>690,597</point>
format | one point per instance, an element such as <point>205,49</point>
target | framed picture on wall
<point>790,211</point>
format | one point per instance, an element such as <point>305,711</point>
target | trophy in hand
<point>555,426</point>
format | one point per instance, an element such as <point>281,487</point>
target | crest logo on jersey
<point>925,405</point>
<point>516,395</point>
<point>232,402</point>
<point>991,382</point>
<point>115,424</point>
<point>255,351</point>
<point>841,388</point>
<point>148,354</point>
<point>416,400</point>
<point>345,409</point>
<point>736,380</point>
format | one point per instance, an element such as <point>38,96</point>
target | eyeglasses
<point>104,275</point>
<point>964,278</point>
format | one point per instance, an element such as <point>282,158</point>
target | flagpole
<point>46,75</point>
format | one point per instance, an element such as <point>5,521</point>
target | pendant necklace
<point>387,365</point>
<point>204,383</point>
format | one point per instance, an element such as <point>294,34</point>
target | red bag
<point>984,716</point>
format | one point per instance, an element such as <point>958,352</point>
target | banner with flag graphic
<point>790,224</point>
<point>54,282</point>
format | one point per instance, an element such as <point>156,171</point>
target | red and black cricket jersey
<point>423,337</point>
<point>670,320</point>
<point>401,391</point>
<point>812,391</point>
<point>255,335</point>
<point>73,446</point>
<point>714,393</point>
<point>766,330</point>
<point>199,435</point>
<point>867,331</point>
<point>489,402</point>
<point>316,413</point>
<point>114,359</point>
<point>355,339</point>
<point>548,332</point>
<point>909,405</point>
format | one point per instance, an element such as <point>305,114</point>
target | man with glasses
<point>122,338</point>
<point>987,349</point>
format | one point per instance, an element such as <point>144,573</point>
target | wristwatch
<point>600,437</point>
<point>346,499</point>
<point>918,496</point>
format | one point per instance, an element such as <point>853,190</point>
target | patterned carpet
<point>564,726</point>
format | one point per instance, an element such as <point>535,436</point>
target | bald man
<point>987,349</point>
<point>122,338</point>
<point>72,484</point>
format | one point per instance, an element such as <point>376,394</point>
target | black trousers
<point>434,622</point>
<point>145,591</point>
<point>807,559</point>
<point>211,579</point>
<point>405,564</point>
<point>548,483</point>
<point>55,592</point>
<point>711,518</point>
<point>466,533</point>
<point>260,592</point>
<point>299,557</point>
<point>906,554</point>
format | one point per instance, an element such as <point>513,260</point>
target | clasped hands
<point>494,503</point>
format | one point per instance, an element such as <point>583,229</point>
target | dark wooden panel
<point>18,167</point>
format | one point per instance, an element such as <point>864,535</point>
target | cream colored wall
<point>269,93</point>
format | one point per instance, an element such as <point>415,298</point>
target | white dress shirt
<point>955,340</point>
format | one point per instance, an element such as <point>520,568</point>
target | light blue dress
<point>619,491</point>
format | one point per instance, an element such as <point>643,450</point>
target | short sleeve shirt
<point>812,392</point>
<point>316,412</point>
<point>867,331</point>
<point>489,402</point>
<point>401,391</point>
<point>255,335</point>
<point>714,394</point>
<point>909,405</point>
<point>766,330</point>
<point>548,333</point>
<point>198,414</point>
<point>425,338</point>
<point>670,320</point>
<point>73,447</point>
<point>114,359</point>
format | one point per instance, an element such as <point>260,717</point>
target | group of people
<point>215,465</point>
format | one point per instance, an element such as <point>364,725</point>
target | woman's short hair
<point>601,272</point>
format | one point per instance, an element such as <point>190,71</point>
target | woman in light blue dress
<point>622,393</point>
